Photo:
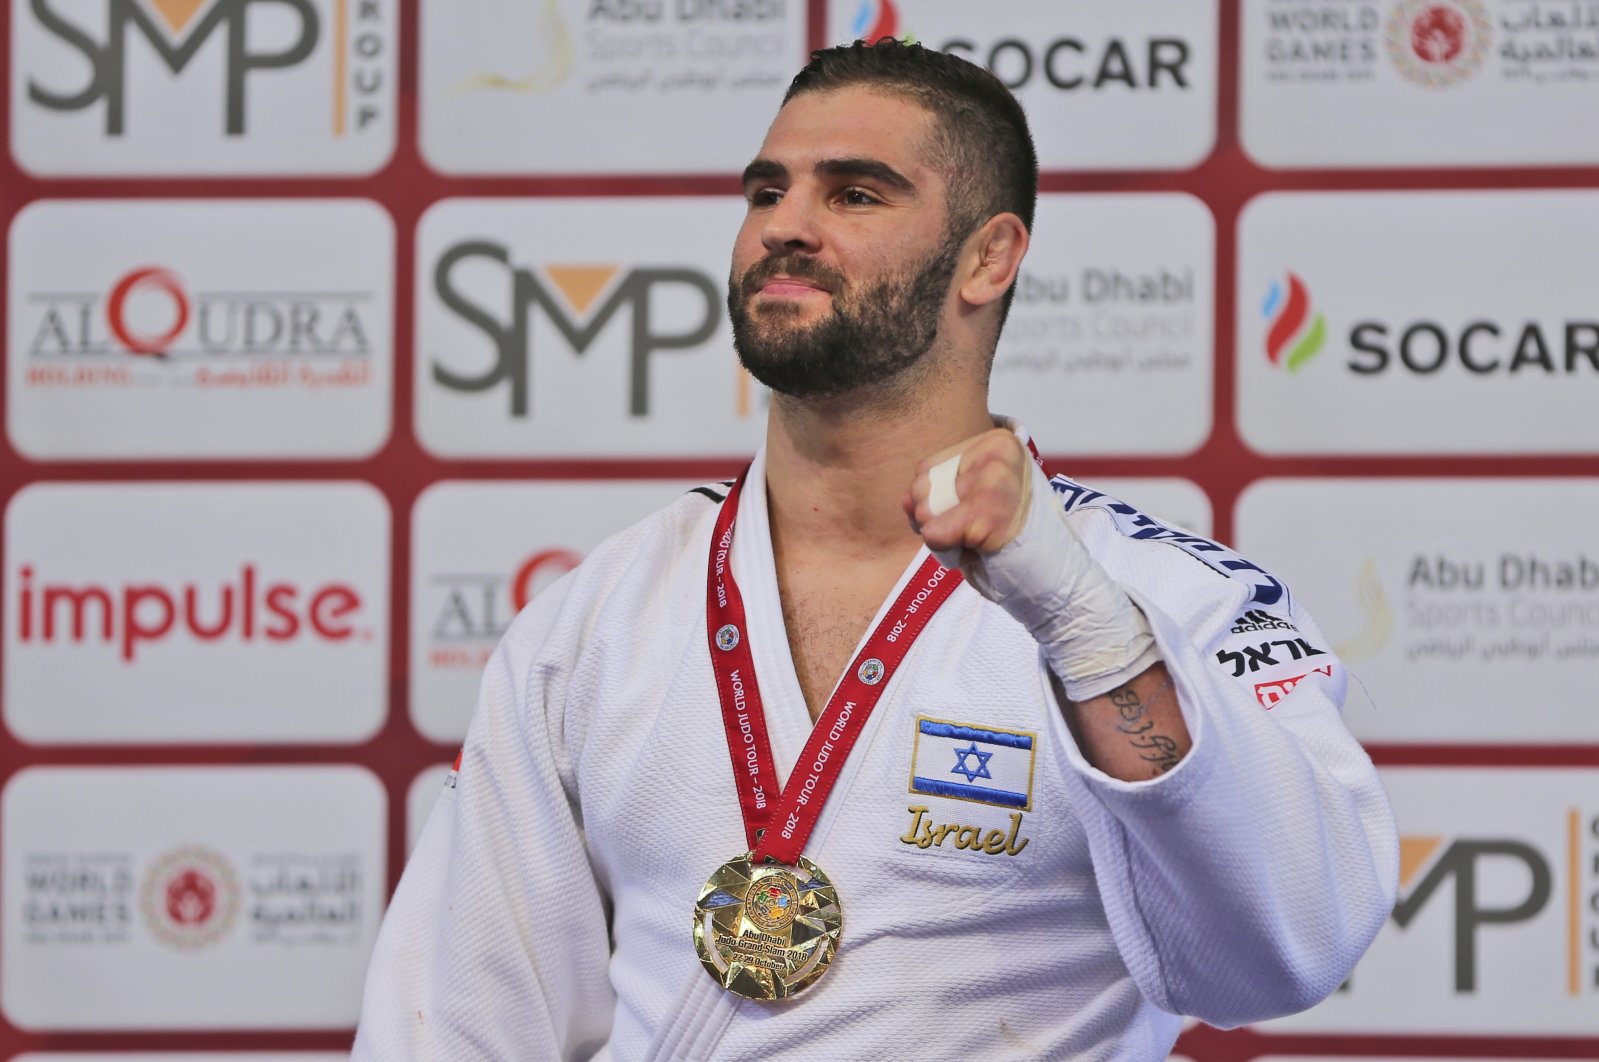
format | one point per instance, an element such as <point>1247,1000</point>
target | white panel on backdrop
<point>200,329</point>
<point>1494,929</point>
<point>231,87</point>
<point>480,551</point>
<point>1109,345</point>
<point>580,328</point>
<point>196,612</point>
<point>190,897</point>
<point>1467,608</point>
<point>1418,322</point>
<point>604,86</point>
<point>1110,86</point>
<point>1420,82</point>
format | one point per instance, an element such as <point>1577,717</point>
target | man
<point>766,746</point>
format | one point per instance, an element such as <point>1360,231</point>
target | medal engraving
<point>767,931</point>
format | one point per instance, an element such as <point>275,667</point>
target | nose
<point>790,226</point>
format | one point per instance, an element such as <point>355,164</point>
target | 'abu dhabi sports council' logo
<point>550,53</point>
<point>1290,341</point>
<point>1438,43</point>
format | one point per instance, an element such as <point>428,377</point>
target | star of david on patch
<point>992,766</point>
<point>962,767</point>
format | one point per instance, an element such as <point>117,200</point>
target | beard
<point>872,334</point>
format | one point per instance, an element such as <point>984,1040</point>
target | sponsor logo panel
<point>1342,350</point>
<point>1111,86</point>
<point>1467,609</point>
<point>1468,72</point>
<point>1112,311</point>
<point>482,551</point>
<point>678,86</point>
<point>200,329</point>
<point>580,328</point>
<point>119,878</point>
<point>188,87</point>
<point>196,613</point>
<point>1496,928</point>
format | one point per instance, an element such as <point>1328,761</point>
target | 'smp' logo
<point>176,31</point>
<point>1459,864</point>
<point>578,288</point>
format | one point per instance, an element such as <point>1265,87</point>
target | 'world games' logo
<point>1288,315</point>
<point>1438,43</point>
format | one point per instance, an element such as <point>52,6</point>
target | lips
<point>789,277</point>
<point>786,287</point>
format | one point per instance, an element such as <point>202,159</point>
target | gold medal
<point>766,930</point>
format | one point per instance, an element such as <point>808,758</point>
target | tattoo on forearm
<point>1158,750</point>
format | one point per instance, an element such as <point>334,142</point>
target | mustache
<point>802,267</point>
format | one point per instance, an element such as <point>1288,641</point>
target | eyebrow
<point>872,169</point>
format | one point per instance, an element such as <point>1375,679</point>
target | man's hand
<point>993,489</point>
<point>1001,524</point>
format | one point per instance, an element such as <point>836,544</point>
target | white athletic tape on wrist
<point>941,496</point>
<point>1092,634</point>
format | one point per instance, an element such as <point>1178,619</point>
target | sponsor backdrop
<point>336,330</point>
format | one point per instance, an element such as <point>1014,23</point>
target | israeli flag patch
<point>974,763</point>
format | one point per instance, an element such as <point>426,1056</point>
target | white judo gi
<point>999,901</point>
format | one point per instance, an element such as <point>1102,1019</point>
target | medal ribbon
<point>777,824</point>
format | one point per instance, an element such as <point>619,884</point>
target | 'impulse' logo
<point>245,609</point>
<point>1288,314</point>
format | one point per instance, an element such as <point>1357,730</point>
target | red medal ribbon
<point>777,824</point>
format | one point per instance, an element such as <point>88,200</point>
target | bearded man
<point>892,747</point>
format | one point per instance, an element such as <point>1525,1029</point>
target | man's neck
<point>836,473</point>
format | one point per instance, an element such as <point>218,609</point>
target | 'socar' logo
<point>876,20</point>
<point>1438,43</point>
<point>574,288</point>
<point>190,897</point>
<point>1289,342</point>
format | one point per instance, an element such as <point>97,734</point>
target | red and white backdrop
<point>335,329</point>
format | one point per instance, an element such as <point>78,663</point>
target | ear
<point>994,256</point>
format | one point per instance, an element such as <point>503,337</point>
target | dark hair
<point>982,136</point>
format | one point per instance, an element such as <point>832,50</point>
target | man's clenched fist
<point>993,485</point>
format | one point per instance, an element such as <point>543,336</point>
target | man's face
<point>842,268</point>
